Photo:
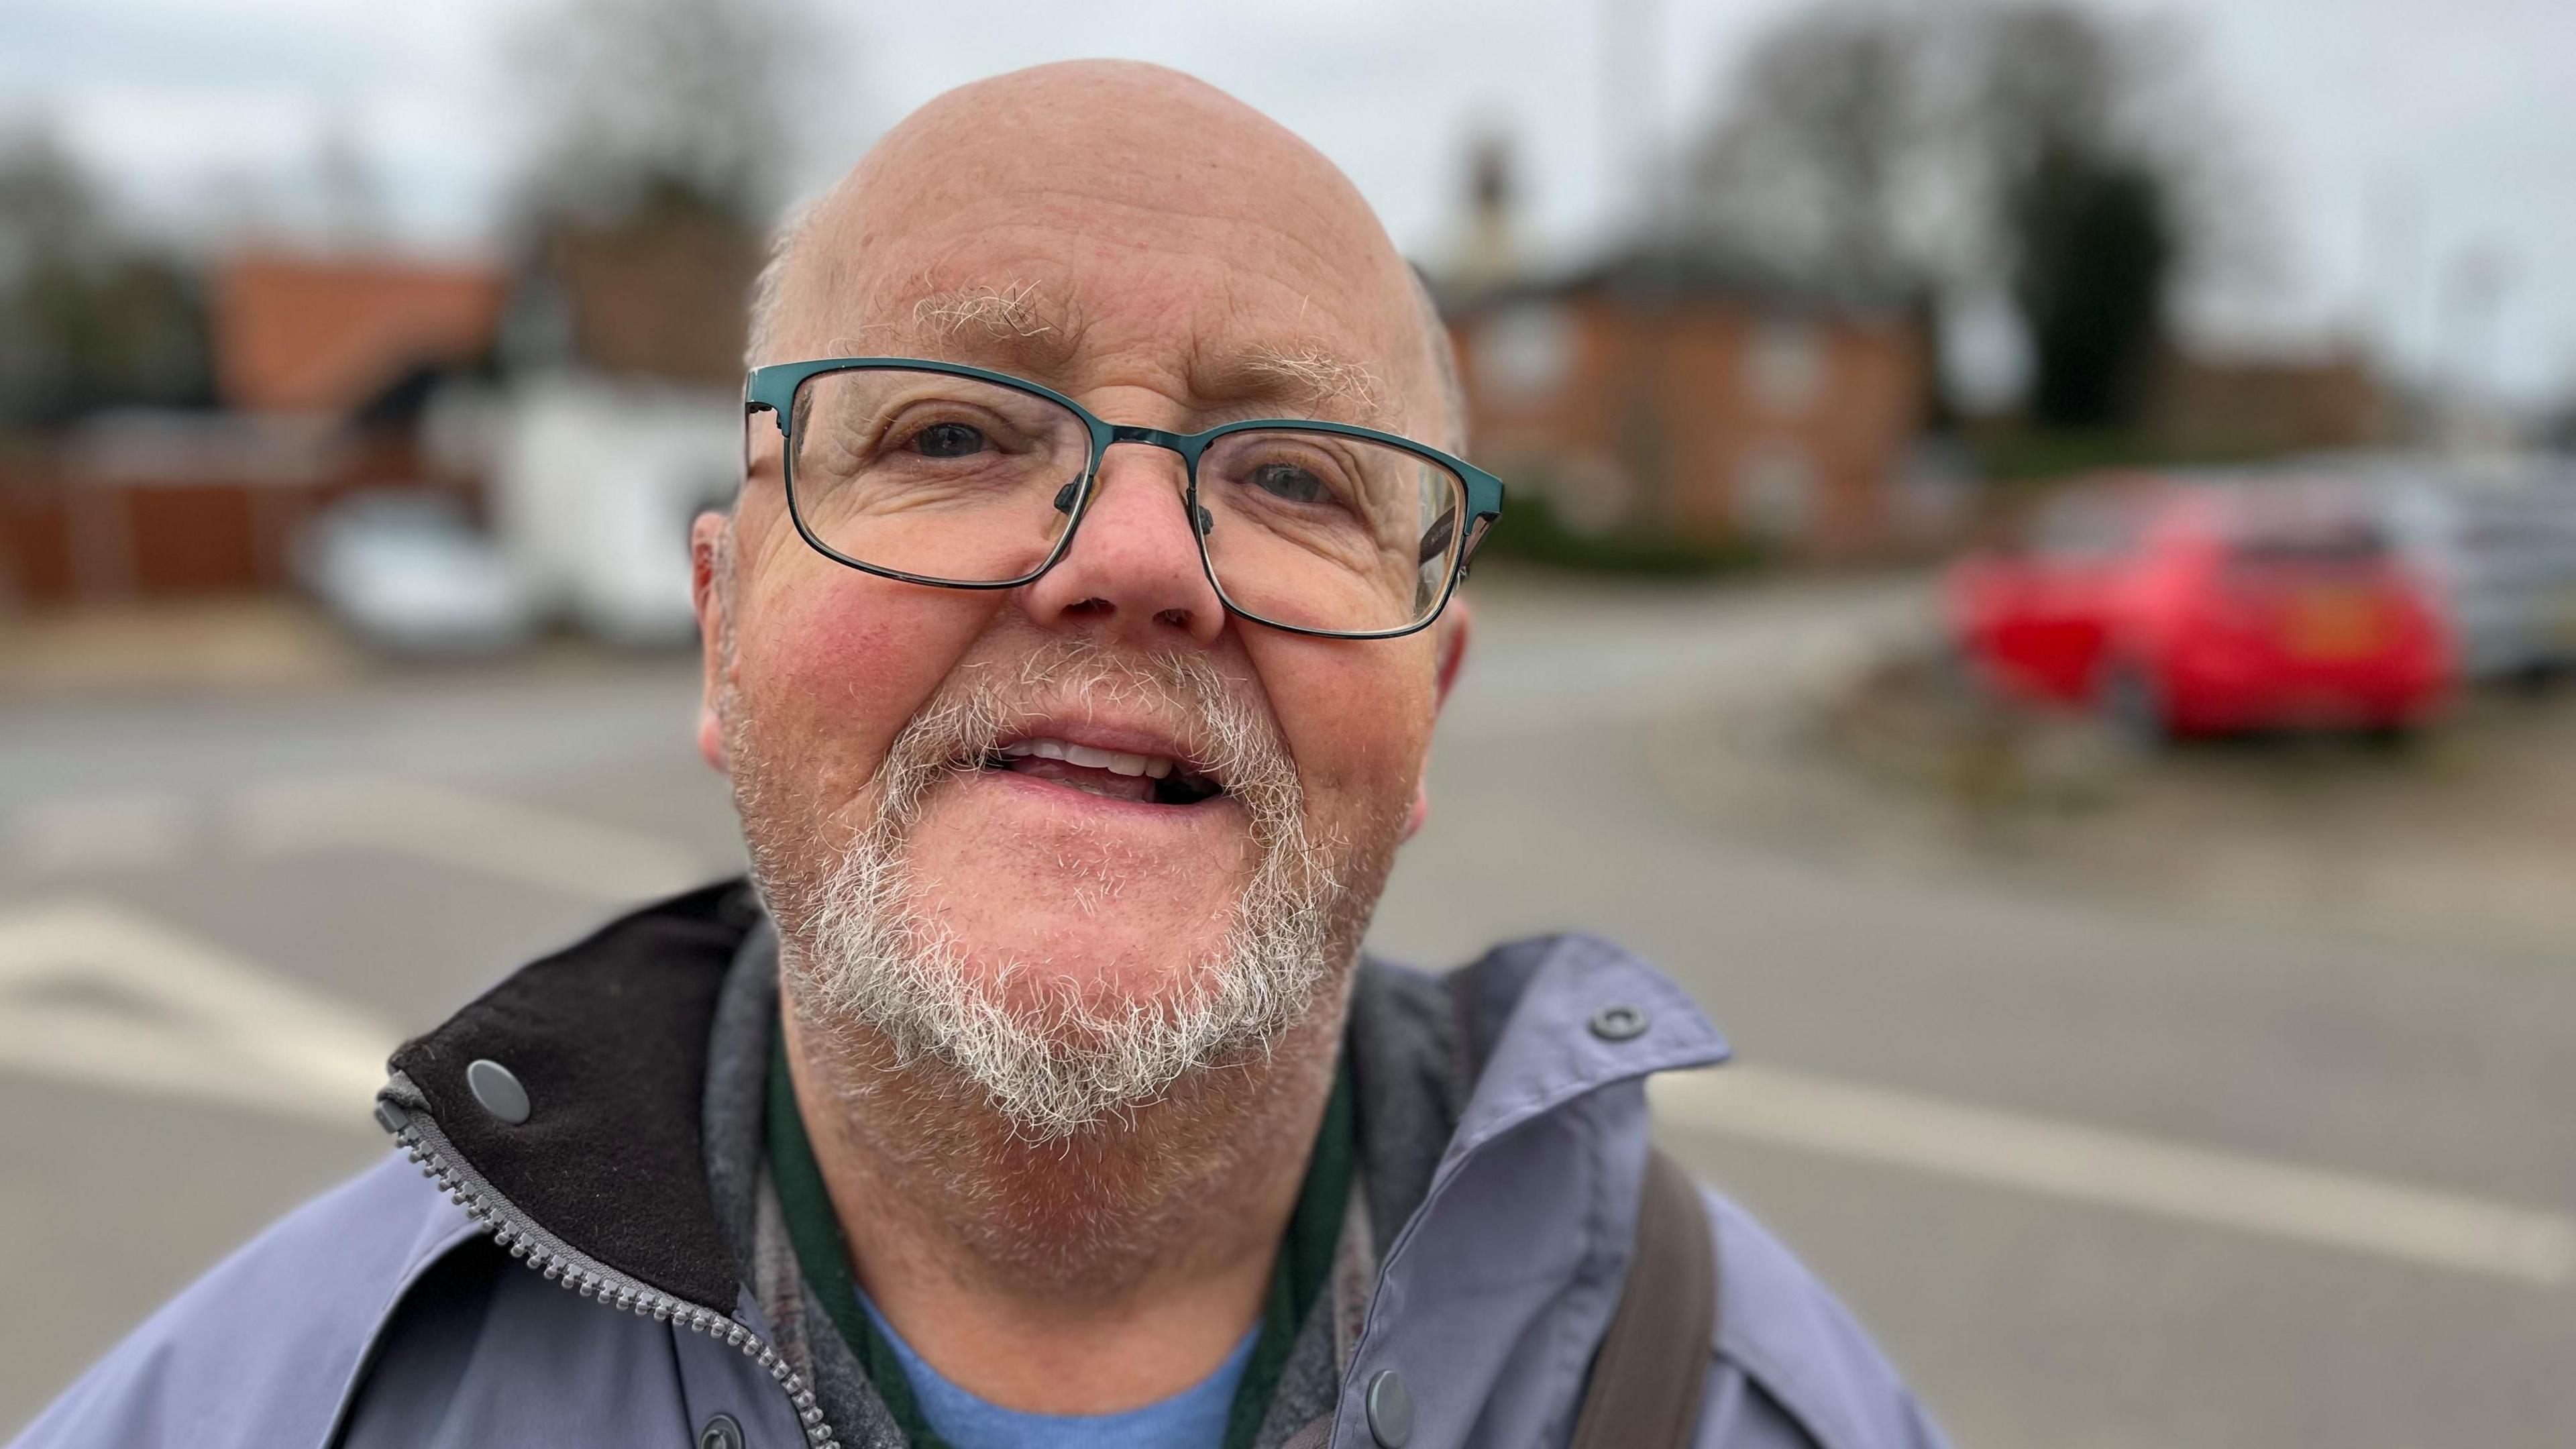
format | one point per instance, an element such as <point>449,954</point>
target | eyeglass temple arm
<point>1482,525</point>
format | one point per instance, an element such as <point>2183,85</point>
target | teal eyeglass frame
<point>773,389</point>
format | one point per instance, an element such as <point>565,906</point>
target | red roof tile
<point>295,333</point>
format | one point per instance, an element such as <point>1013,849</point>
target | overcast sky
<point>2392,140</point>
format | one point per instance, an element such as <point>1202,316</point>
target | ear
<point>1456,623</point>
<point>710,547</point>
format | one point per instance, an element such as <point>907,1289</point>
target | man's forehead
<point>1106,223</point>
<point>1041,328</point>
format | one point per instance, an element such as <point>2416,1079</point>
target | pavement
<point>2097,1170</point>
<point>156,645</point>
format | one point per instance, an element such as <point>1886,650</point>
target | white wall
<point>593,489</point>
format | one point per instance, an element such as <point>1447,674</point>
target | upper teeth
<point>1072,754</point>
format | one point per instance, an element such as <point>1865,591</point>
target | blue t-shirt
<point>1194,1418</point>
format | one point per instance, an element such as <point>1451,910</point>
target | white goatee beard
<point>1051,1058</point>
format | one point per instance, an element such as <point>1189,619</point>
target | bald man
<point>1073,650</point>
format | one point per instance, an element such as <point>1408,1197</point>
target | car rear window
<point>2301,526</point>
<point>2358,542</point>
<point>2092,526</point>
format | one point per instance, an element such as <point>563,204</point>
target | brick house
<point>2253,405</point>
<point>1670,400</point>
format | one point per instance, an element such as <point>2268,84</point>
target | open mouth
<point>1143,779</point>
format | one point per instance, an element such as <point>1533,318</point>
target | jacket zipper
<point>564,1265</point>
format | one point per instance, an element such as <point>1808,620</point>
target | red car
<point>2207,608</point>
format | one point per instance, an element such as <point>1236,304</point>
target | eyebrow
<point>1019,327</point>
<point>1303,375</point>
<point>1024,328</point>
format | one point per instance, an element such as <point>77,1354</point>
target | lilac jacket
<point>628,1324</point>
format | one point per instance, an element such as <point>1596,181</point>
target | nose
<point>1133,570</point>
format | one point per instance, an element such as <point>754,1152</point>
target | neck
<point>1084,1275</point>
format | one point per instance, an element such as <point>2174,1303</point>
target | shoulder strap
<point>1654,1359</point>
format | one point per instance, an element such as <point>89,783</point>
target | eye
<point>948,440</point>
<point>1288,481</point>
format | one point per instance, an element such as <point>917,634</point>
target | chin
<point>1106,965</point>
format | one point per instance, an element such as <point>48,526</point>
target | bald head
<point>1114,223</point>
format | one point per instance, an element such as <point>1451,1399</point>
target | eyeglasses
<point>951,476</point>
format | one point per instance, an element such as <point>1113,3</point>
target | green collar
<point>1304,1264</point>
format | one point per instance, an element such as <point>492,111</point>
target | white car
<point>2500,546</point>
<point>409,575</point>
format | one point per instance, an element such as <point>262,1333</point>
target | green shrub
<point>1531,531</point>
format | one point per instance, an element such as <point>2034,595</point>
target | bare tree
<point>1804,172</point>
<point>2029,149</point>
<point>662,133</point>
<point>639,103</point>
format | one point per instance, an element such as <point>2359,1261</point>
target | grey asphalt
<point>2026,1319</point>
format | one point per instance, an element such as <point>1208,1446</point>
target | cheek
<point>831,665</point>
<point>1357,715</point>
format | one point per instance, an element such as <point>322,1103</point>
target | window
<point>1524,354</point>
<point>1784,366</point>
<point>1775,493</point>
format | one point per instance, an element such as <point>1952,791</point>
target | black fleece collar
<point>609,1036</point>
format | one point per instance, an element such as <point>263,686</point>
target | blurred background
<point>2042,547</point>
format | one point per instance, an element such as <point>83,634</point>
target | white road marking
<point>109,833</point>
<point>406,819</point>
<point>94,994</point>
<point>462,831</point>
<point>2093,1165</point>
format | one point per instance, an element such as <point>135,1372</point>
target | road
<point>2097,1172</point>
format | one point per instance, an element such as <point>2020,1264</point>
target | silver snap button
<point>1390,1410</point>
<point>498,1090</point>
<point>721,1432</point>
<point>1618,1023</point>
